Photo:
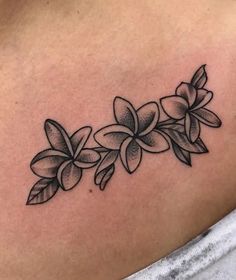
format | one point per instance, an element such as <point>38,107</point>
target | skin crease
<point>67,60</point>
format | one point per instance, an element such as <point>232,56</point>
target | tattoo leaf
<point>181,154</point>
<point>192,127</point>
<point>199,79</point>
<point>105,169</point>
<point>42,191</point>
<point>177,133</point>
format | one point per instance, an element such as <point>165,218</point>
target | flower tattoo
<point>188,103</point>
<point>134,133</point>
<point>62,164</point>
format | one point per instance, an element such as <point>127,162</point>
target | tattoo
<point>134,133</point>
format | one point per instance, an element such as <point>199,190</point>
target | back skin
<point>66,61</point>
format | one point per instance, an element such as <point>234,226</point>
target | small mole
<point>16,102</point>
<point>77,11</point>
<point>90,191</point>
<point>47,2</point>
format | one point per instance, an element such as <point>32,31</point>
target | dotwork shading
<point>134,133</point>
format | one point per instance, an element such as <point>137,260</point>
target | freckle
<point>90,191</point>
<point>16,102</point>
<point>77,11</point>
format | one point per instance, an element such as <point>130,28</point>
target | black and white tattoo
<point>134,133</point>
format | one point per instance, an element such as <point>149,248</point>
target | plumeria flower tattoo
<point>67,156</point>
<point>188,103</point>
<point>135,132</point>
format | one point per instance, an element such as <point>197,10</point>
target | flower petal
<point>105,166</point>
<point>79,139</point>
<point>192,127</point>
<point>153,142</point>
<point>125,113</point>
<point>174,106</point>
<point>58,137</point>
<point>46,163</point>
<point>108,160</point>
<point>188,92</point>
<point>130,154</point>
<point>203,98</point>
<point>148,116</point>
<point>112,136</point>
<point>207,117</point>
<point>104,176</point>
<point>87,158</point>
<point>69,175</point>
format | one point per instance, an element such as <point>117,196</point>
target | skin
<point>67,60</point>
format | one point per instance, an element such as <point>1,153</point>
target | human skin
<point>67,60</point>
